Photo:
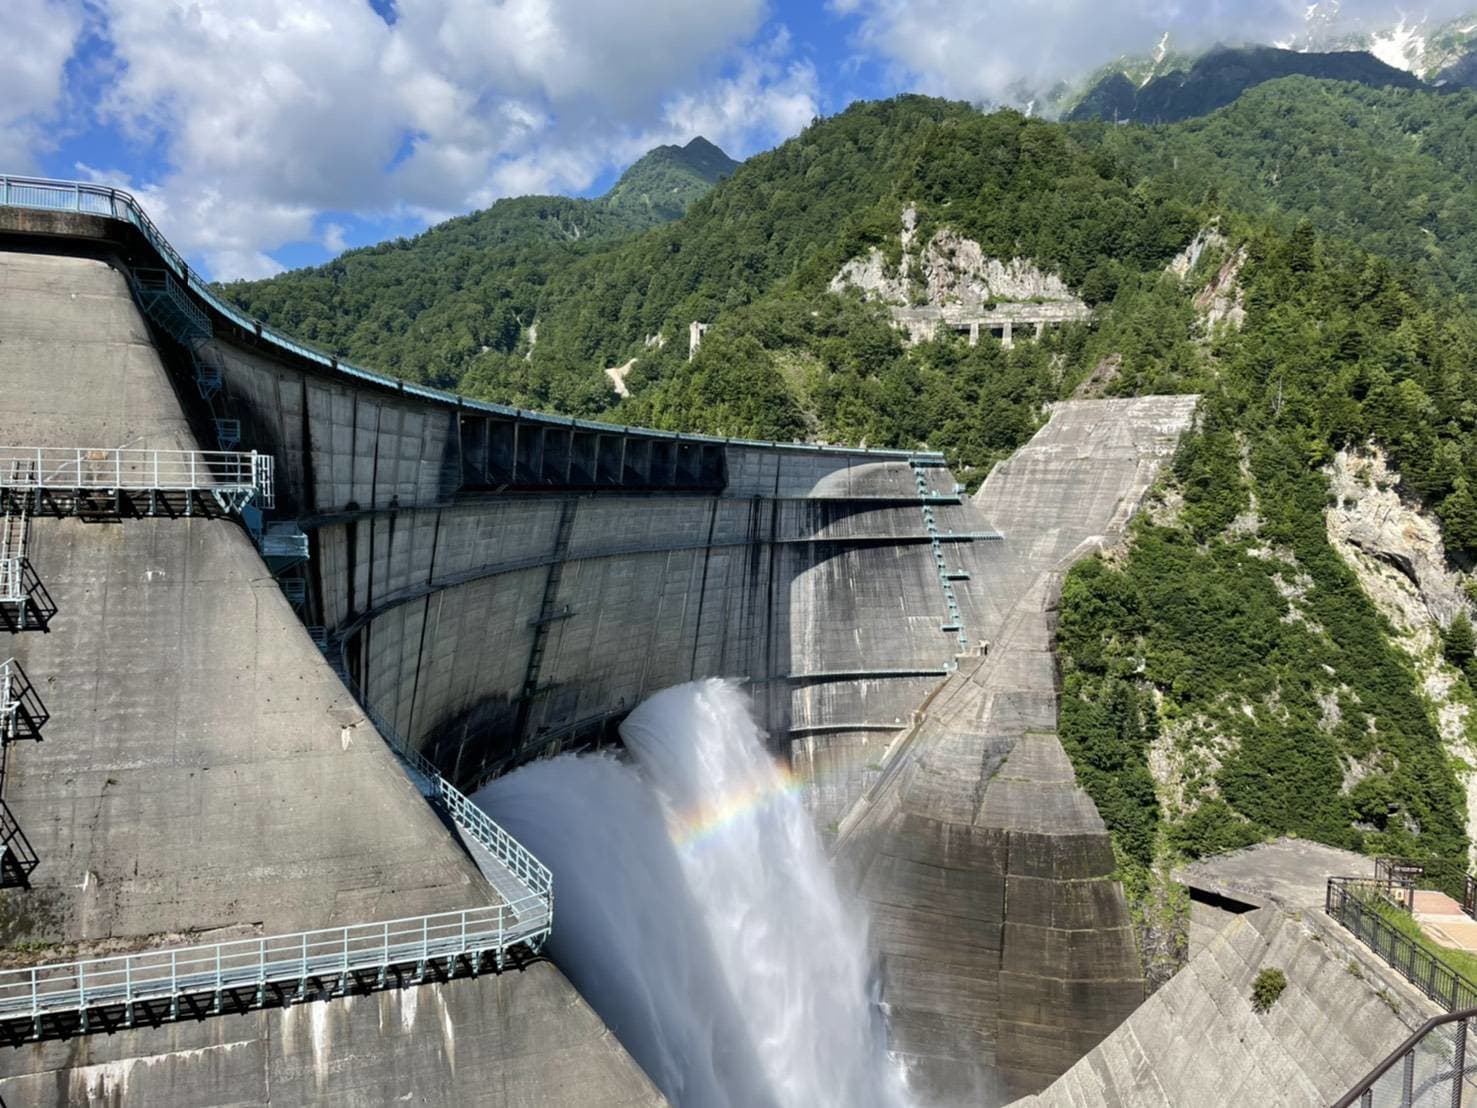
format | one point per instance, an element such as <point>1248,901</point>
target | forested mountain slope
<point>425,308</point>
<point>1390,169</point>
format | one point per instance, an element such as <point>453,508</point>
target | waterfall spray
<point>697,913</point>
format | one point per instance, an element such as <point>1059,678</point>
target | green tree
<point>1457,642</point>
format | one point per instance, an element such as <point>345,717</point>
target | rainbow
<point>695,826</point>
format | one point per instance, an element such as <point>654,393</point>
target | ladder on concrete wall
<point>953,621</point>
<point>21,717</point>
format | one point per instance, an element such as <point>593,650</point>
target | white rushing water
<point>696,911</point>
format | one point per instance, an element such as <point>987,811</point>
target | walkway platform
<point>118,481</point>
<point>1443,920</point>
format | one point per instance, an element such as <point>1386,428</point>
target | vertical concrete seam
<point>702,593</point>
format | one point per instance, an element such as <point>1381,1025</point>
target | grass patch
<point>1458,960</point>
<point>1267,988</point>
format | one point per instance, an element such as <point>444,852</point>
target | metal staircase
<point>14,587</point>
<point>953,620</point>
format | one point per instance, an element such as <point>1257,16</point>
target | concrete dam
<point>263,606</point>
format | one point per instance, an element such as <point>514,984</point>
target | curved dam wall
<point>488,622</point>
<point>500,583</point>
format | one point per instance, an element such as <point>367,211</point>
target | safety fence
<point>1434,1068</point>
<point>277,969</point>
<point>12,581</point>
<point>237,476</point>
<point>1355,903</point>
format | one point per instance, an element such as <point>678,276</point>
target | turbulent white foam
<point>697,913</point>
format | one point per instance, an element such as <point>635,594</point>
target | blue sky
<point>265,134</point>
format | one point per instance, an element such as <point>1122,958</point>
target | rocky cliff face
<point>949,270</point>
<point>1397,553</point>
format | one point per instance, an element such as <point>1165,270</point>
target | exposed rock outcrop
<point>1183,263</point>
<point>950,270</point>
<point>1370,517</point>
<point>617,375</point>
<point>1398,555</point>
<point>1222,300</point>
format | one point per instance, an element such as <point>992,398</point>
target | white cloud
<point>39,37</point>
<point>769,94</point>
<point>273,112</point>
<point>983,50</point>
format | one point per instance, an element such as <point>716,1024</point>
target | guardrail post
<point>425,946</point>
<point>128,991</point>
<point>173,985</point>
<point>219,1001</point>
<point>1459,1064</point>
<point>82,992</point>
<point>35,991</point>
<point>261,973</point>
<point>343,977</point>
<point>302,981</point>
<point>384,955</point>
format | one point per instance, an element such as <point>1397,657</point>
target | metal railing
<point>513,855</point>
<point>22,714</point>
<point>17,857</point>
<point>13,581</point>
<point>234,478</point>
<point>1355,903</point>
<point>335,959</point>
<point>1431,1069</point>
<point>10,700</point>
<point>285,966</point>
<point>1397,877</point>
<point>111,203</point>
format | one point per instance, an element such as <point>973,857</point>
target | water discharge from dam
<point>697,913</point>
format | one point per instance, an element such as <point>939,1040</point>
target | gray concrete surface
<point>205,775</point>
<point>807,561</point>
<point>513,1040</point>
<point>1197,1040</point>
<point>1006,945</point>
<point>1288,872</point>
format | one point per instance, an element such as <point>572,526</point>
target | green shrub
<point>1267,988</point>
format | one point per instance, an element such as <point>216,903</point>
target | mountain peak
<point>669,178</point>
